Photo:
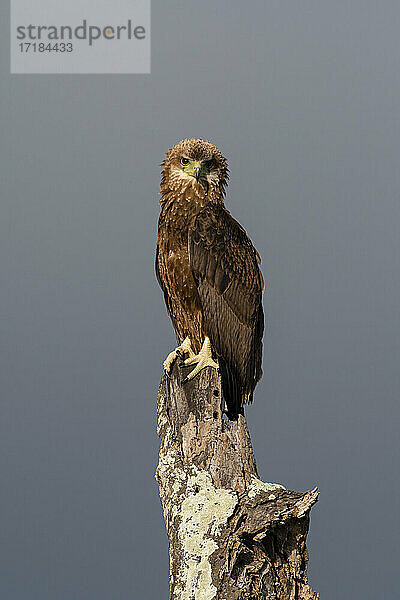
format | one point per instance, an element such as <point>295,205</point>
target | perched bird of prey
<point>209,272</point>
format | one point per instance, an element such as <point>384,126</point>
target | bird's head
<point>195,164</point>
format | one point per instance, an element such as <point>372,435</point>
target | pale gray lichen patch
<point>258,487</point>
<point>204,511</point>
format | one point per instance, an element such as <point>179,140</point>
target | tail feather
<point>231,390</point>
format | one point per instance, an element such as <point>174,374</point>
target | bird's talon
<point>200,361</point>
<point>179,352</point>
<point>193,360</point>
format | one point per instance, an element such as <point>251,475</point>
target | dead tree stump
<point>231,536</point>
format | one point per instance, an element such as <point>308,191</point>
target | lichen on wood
<point>231,536</point>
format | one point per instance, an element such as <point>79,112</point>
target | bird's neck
<point>189,198</point>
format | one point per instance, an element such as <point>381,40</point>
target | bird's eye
<point>184,161</point>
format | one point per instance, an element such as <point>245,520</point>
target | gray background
<point>303,98</point>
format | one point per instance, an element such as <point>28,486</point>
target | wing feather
<point>225,267</point>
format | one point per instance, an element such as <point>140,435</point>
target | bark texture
<point>231,536</point>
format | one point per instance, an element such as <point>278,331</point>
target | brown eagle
<point>209,272</point>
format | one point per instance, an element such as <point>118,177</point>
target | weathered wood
<point>231,536</point>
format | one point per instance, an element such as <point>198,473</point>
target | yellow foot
<point>185,349</point>
<point>202,360</point>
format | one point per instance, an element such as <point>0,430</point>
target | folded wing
<point>225,266</point>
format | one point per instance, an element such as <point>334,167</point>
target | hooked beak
<point>197,174</point>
